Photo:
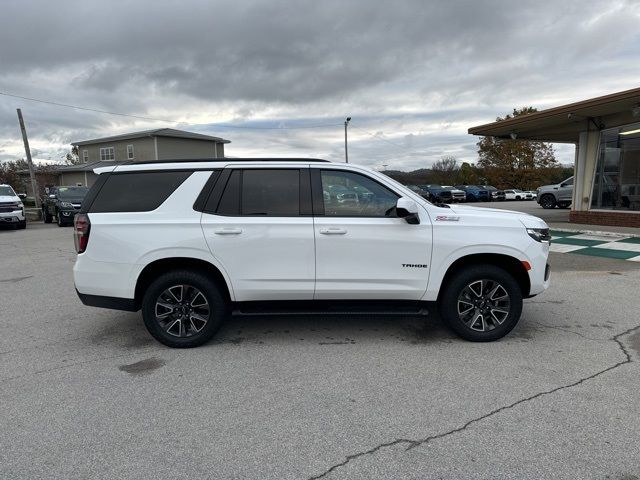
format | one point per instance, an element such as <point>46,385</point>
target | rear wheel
<point>481,303</point>
<point>547,201</point>
<point>183,309</point>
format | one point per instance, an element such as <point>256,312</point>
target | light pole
<point>346,151</point>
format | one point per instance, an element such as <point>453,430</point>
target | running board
<point>333,307</point>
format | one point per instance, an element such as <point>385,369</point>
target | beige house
<point>606,134</point>
<point>146,146</point>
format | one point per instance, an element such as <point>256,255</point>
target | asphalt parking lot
<point>86,393</point>
<point>553,215</point>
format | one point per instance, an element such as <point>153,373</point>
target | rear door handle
<point>333,231</point>
<point>228,231</point>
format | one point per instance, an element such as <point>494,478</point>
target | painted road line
<point>605,252</point>
<point>627,247</point>
<point>559,248</point>
<point>577,241</point>
<point>600,238</point>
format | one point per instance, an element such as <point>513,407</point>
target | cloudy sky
<point>414,75</point>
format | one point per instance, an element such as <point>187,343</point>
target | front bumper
<point>16,216</point>
<point>68,215</point>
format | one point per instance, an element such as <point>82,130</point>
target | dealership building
<point>606,133</point>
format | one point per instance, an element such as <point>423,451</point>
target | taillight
<point>81,227</point>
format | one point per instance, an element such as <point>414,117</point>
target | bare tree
<point>445,170</point>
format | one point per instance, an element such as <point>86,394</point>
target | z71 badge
<point>447,218</point>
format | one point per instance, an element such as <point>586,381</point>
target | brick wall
<point>614,219</point>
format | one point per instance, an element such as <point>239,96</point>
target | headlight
<point>66,205</point>
<point>539,234</point>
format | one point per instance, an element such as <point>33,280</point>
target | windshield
<point>72,193</point>
<point>6,190</point>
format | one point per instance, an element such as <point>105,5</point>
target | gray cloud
<point>417,74</point>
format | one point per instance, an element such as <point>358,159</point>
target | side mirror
<point>22,196</point>
<point>408,209</point>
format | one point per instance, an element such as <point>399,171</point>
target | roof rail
<point>227,159</point>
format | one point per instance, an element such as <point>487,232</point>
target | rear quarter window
<point>137,191</point>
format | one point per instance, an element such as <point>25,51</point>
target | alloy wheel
<point>182,310</point>
<point>483,305</point>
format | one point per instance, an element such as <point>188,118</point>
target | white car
<point>11,208</point>
<point>529,195</point>
<point>514,195</point>
<point>187,242</point>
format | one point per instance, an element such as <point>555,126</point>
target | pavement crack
<point>416,443</point>
<point>568,330</point>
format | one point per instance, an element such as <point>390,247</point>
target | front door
<point>259,227</point>
<point>363,250</point>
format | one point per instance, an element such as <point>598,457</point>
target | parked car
<point>62,204</point>
<point>529,195</point>
<point>189,242</point>
<point>438,193</point>
<point>496,195</point>
<point>457,195</point>
<point>11,208</point>
<point>474,193</point>
<point>560,194</point>
<point>514,194</point>
<point>422,192</point>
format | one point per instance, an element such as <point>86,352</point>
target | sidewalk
<point>594,229</point>
<point>604,244</point>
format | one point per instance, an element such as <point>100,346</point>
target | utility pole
<point>346,151</point>
<point>27,150</point>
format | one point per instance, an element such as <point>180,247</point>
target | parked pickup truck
<point>62,203</point>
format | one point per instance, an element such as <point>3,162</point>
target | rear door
<point>363,250</point>
<point>258,225</point>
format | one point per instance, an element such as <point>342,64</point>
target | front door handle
<point>228,231</point>
<point>333,231</point>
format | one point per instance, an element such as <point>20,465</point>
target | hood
<point>547,187</point>
<point>529,221</point>
<point>10,198</point>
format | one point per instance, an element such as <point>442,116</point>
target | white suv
<point>188,242</point>
<point>11,208</point>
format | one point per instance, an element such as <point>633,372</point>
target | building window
<point>85,156</point>
<point>616,184</point>
<point>107,154</point>
<point>130,152</point>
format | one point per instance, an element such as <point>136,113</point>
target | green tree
<point>513,163</point>
<point>469,174</point>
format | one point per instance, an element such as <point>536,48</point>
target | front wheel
<point>547,201</point>
<point>46,216</point>
<point>59,219</point>
<point>183,309</point>
<point>481,303</point>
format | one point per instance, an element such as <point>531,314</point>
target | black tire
<point>547,201</point>
<point>59,219</point>
<point>453,295</point>
<point>217,309</point>
<point>46,216</point>
<point>518,197</point>
<point>471,197</point>
<point>21,225</point>
<point>564,205</point>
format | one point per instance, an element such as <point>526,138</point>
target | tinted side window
<point>348,194</point>
<point>137,192</point>
<point>273,193</point>
<point>230,200</point>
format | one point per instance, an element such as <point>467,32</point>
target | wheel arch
<point>508,263</point>
<point>151,271</point>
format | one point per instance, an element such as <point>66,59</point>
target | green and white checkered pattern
<point>609,246</point>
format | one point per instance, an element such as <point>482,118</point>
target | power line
<point>140,117</point>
